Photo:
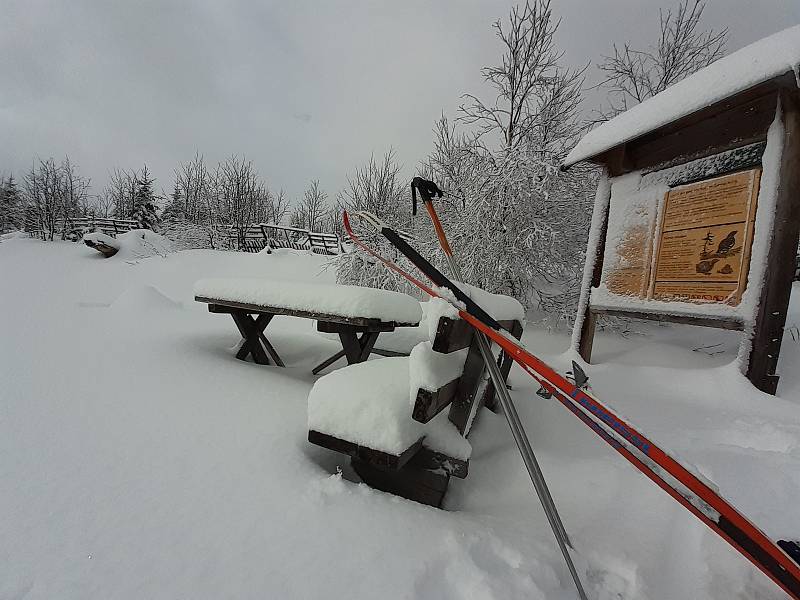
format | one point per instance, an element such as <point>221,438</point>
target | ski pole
<point>428,190</point>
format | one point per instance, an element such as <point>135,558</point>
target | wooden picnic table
<point>356,334</point>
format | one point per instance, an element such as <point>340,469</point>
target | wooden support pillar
<point>777,286</point>
<point>589,318</point>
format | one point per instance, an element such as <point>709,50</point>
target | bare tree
<point>121,191</point>
<point>54,193</point>
<point>240,197</point>
<point>192,184</point>
<point>103,204</point>
<point>529,83</point>
<point>313,209</point>
<point>518,223</point>
<point>278,208</point>
<point>74,193</point>
<point>378,188</point>
<point>683,47</point>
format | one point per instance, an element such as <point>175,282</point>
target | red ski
<point>679,482</point>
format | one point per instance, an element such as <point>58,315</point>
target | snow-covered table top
<point>325,302</point>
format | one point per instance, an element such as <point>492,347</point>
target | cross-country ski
<point>696,495</point>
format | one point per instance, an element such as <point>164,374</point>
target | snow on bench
<point>388,414</point>
<point>368,404</point>
<point>401,341</point>
<point>105,244</point>
<point>345,301</point>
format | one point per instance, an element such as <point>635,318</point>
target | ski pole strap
<point>427,189</point>
<point>439,279</point>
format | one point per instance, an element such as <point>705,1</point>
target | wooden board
<point>703,250</point>
<point>695,292</point>
<point>634,250</point>
<point>701,254</point>
<point>716,201</point>
<point>218,305</point>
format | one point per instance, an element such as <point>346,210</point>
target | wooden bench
<point>421,470</point>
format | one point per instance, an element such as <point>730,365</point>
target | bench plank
<point>368,455</point>
<point>429,404</point>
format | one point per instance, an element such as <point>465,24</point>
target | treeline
<point>518,223</point>
<point>53,193</point>
<point>207,202</point>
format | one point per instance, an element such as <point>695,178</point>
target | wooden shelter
<point>697,211</point>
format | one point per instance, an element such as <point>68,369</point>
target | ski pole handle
<point>429,190</point>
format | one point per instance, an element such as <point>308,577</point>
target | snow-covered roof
<point>757,63</point>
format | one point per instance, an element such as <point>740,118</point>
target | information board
<point>703,250</point>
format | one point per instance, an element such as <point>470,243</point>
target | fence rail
<point>269,236</point>
<point>253,238</point>
<point>77,226</point>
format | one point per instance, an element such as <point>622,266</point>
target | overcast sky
<point>306,89</point>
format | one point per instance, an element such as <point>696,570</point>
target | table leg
<point>328,362</point>
<point>354,348</point>
<point>254,340</point>
<point>367,343</point>
<point>357,349</point>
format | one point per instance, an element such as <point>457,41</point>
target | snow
<point>328,299</point>
<point>368,403</point>
<point>134,244</point>
<point>761,61</point>
<point>602,298</point>
<point>146,462</point>
<point>430,370</point>
<point>762,234</point>
<point>435,310</point>
<point>498,306</point>
<point>98,237</point>
<point>599,212</point>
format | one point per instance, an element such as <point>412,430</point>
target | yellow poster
<point>703,252</point>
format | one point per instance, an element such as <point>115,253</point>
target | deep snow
<point>141,460</point>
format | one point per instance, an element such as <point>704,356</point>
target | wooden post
<point>777,285</point>
<point>589,318</point>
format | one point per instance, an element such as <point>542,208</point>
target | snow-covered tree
<point>312,211</point>
<point>376,187</point>
<point>54,193</point>
<point>121,192</point>
<point>517,223</point>
<point>145,210</point>
<point>240,198</point>
<point>632,75</point>
<point>11,207</point>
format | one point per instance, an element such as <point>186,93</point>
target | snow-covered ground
<point>139,459</point>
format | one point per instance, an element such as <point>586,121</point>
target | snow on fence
<point>78,225</point>
<point>257,237</point>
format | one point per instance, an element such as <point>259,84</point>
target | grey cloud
<point>118,84</point>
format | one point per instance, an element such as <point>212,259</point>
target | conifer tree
<point>11,210</point>
<point>145,208</point>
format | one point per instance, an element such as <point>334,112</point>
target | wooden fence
<point>269,236</point>
<point>76,227</point>
<point>253,238</point>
